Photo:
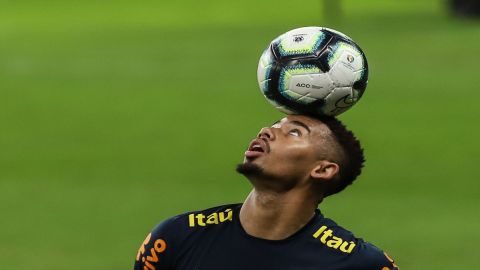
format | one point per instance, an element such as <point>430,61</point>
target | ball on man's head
<point>313,70</point>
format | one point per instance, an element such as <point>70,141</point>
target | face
<point>288,150</point>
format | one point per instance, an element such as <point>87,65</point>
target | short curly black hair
<point>352,159</point>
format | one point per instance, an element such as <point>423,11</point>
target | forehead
<point>308,121</point>
<point>315,125</point>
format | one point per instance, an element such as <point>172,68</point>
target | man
<point>292,166</point>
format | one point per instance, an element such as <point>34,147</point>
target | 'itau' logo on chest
<point>214,218</point>
<point>326,236</point>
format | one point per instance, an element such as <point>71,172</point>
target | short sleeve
<point>391,263</point>
<point>157,250</point>
<point>369,257</point>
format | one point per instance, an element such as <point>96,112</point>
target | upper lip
<point>259,145</point>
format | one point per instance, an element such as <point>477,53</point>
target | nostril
<point>265,133</point>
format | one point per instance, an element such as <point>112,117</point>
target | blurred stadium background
<point>117,114</point>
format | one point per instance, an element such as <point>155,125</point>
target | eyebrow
<point>295,122</point>
<point>298,123</point>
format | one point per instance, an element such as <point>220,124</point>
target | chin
<point>263,180</point>
<point>249,168</point>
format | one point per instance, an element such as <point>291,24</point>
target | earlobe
<point>325,170</point>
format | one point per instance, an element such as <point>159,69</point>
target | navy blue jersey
<point>214,239</point>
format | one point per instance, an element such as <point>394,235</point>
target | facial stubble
<point>253,171</point>
<point>250,169</point>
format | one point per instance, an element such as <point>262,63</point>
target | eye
<point>295,132</point>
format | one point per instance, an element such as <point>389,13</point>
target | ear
<point>325,170</point>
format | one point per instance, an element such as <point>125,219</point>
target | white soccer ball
<point>313,70</point>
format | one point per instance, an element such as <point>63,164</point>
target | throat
<point>274,216</point>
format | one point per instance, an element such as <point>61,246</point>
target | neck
<point>276,216</point>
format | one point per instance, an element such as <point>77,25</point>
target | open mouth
<point>256,148</point>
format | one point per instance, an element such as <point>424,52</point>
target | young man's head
<point>301,151</point>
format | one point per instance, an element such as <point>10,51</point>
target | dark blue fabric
<point>213,239</point>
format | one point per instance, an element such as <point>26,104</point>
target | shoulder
<point>212,216</point>
<point>176,227</point>
<point>358,253</point>
<point>163,243</point>
<point>369,256</point>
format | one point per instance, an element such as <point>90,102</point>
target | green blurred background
<point>117,114</point>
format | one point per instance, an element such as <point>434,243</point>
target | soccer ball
<point>313,70</point>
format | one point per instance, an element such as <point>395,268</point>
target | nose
<point>266,133</point>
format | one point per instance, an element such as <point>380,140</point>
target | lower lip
<point>251,154</point>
